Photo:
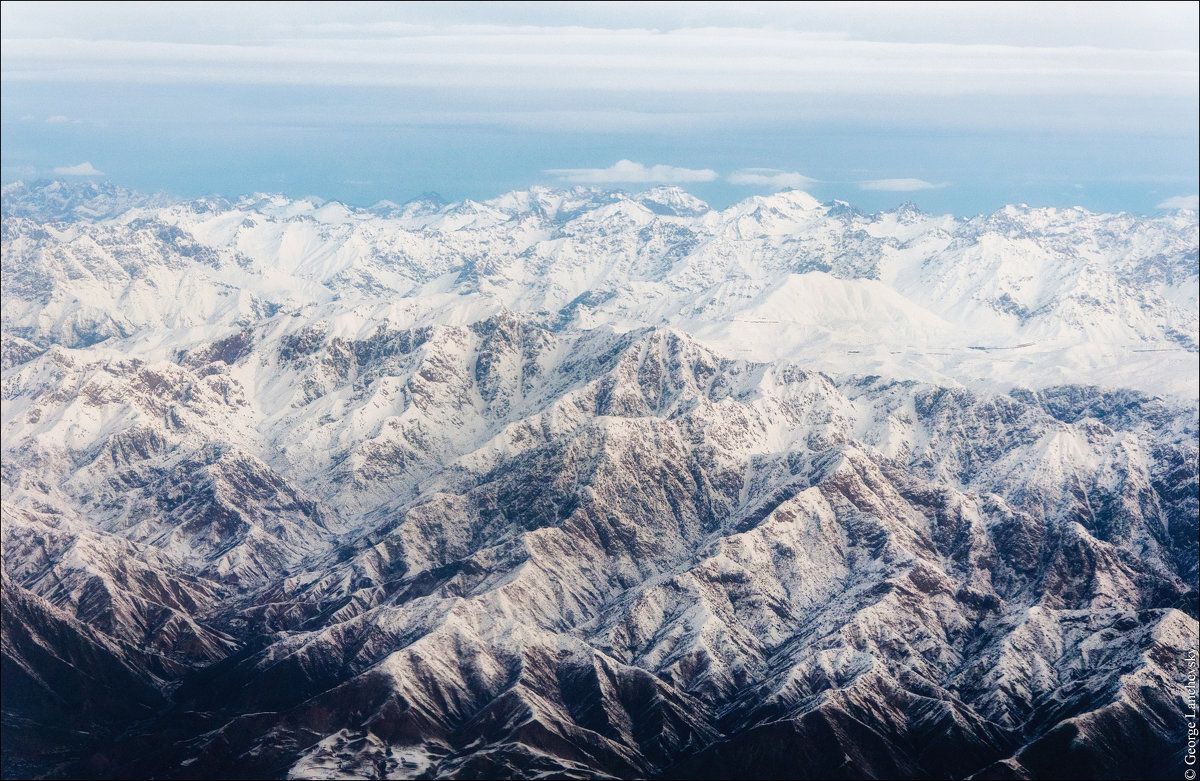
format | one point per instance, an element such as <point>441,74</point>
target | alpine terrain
<point>591,484</point>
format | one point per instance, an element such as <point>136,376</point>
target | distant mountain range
<point>594,484</point>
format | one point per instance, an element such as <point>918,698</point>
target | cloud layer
<point>1181,202</point>
<point>770,177</point>
<point>659,66</point>
<point>83,169</point>
<point>1103,25</point>
<point>900,185</point>
<point>627,171</point>
<point>690,60</point>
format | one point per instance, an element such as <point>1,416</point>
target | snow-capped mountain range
<point>1033,296</point>
<point>594,484</point>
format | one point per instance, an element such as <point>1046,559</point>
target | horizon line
<point>565,187</point>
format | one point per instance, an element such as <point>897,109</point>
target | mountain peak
<point>84,199</point>
<point>673,201</point>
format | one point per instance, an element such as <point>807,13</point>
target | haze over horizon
<point>958,109</point>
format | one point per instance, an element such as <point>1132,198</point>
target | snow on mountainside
<point>1040,296</point>
<point>592,484</point>
<point>88,200</point>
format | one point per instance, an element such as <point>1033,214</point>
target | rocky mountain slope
<point>592,484</point>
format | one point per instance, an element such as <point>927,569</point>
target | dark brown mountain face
<point>455,506</point>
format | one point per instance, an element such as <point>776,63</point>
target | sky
<point>957,107</point>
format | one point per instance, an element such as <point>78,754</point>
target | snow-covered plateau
<point>585,484</point>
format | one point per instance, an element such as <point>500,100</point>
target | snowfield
<point>591,484</point>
